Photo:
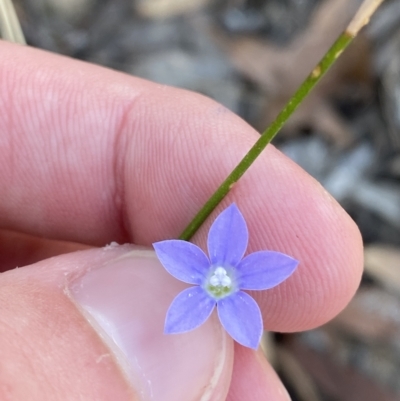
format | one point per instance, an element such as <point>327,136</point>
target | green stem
<point>266,137</point>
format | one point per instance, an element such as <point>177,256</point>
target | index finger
<point>94,156</point>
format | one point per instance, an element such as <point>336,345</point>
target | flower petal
<point>183,260</point>
<point>263,270</point>
<point>228,237</point>
<point>188,310</point>
<point>241,318</point>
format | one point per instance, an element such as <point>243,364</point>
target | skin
<point>89,156</point>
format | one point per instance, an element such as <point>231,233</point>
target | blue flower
<point>219,279</point>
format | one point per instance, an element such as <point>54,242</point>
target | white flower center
<point>220,278</point>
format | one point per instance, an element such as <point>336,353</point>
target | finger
<point>18,249</point>
<point>89,325</point>
<point>254,379</point>
<point>94,156</point>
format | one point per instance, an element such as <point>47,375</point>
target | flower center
<point>219,284</point>
<point>220,278</point>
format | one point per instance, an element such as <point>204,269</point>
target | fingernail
<point>126,301</point>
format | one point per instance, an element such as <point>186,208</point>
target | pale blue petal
<point>263,270</point>
<point>184,260</point>
<point>190,309</point>
<point>241,318</point>
<point>228,237</point>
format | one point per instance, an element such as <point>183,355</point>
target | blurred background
<point>251,55</point>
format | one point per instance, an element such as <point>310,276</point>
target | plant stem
<point>10,27</point>
<point>361,18</point>
<point>363,15</point>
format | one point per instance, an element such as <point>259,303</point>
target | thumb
<point>89,325</point>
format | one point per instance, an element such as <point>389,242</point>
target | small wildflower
<point>219,279</point>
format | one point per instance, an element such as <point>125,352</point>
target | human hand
<point>90,156</point>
